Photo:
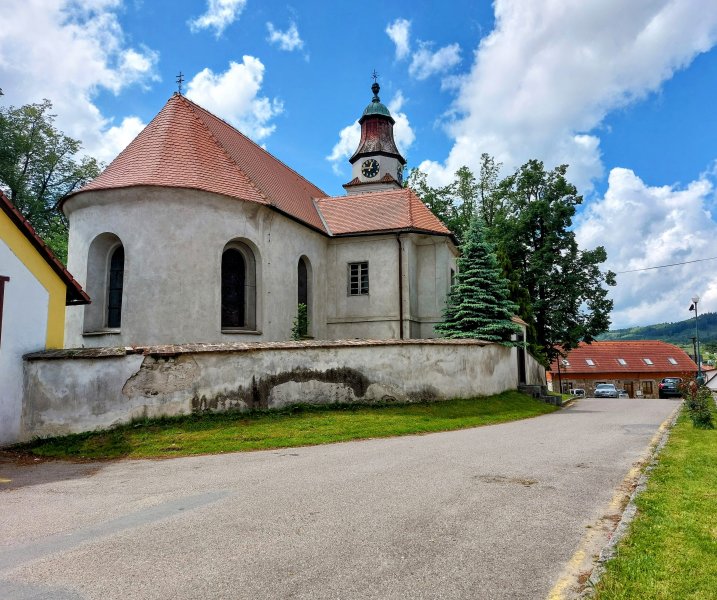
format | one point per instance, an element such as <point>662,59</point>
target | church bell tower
<point>377,164</point>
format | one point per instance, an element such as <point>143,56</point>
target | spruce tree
<point>478,304</point>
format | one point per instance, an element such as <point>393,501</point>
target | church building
<point>194,233</point>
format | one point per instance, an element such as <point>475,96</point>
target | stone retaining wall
<point>70,391</point>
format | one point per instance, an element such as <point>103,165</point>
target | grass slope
<point>671,550</point>
<point>296,426</point>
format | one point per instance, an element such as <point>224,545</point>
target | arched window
<point>104,283</point>
<point>114,291</point>
<point>238,287</point>
<point>303,283</point>
<point>304,295</point>
<point>233,289</point>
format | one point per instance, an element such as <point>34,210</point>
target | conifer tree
<point>478,304</point>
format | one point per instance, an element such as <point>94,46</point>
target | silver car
<point>606,390</point>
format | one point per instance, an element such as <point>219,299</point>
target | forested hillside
<point>680,332</point>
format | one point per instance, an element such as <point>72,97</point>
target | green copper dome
<point>376,107</point>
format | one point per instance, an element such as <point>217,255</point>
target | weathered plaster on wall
<point>73,391</point>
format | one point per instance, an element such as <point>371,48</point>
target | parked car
<point>606,390</point>
<point>670,387</point>
<point>578,392</point>
<point>623,394</point>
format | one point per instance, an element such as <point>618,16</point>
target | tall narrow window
<point>358,279</point>
<point>303,291</point>
<point>303,297</point>
<point>233,289</point>
<point>114,291</point>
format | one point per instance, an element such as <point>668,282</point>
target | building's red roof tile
<point>75,294</point>
<point>186,146</point>
<point>606,358</point>
<point>388,210</point>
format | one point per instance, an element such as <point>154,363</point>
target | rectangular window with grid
<point>358,279</point>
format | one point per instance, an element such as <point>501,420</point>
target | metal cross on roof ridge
<point>374,75</point>
<point>180,80</point>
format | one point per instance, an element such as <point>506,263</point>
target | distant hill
<point>679,333</point>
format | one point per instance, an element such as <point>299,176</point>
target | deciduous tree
<point>566,286</point>
<point>559,289</point>
<point>39,166</point>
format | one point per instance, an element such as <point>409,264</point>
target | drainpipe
<point>400,286</point>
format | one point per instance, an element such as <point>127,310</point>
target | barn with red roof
<point>634,366</point>
<point>194,233</point>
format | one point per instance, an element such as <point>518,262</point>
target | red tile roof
<point>186,146</point>
<point>606,358</point>
<point>75,294</point>
<point>389,210</point>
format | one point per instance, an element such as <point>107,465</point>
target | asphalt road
<point>488,513</point>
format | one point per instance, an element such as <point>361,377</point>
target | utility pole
<point>698,359</point>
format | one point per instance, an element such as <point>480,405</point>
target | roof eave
<point>74,292</point>
<point>392,231</point>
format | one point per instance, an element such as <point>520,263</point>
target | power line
<point>687,262</point>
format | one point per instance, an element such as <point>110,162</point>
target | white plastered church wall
<point>173,241</point>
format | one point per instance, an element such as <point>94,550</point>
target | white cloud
<point>402,131</point>
<point>350,136</point>
<point>426,63</point>
<point>643,226</point>
<point>549,72</point>
<point>234,96</point>
<point>118,137</point>
<point>288,40</point>
<point>220,14</point>
<point>68,51</point>
<point>399,31</point>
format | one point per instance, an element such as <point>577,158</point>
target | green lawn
<point>671,550</point>
<point>303,425</point>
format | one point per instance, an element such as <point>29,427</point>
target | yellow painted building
<point>34,289</point>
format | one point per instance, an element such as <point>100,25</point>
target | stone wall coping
<point>237,347</point>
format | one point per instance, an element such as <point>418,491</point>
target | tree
<point>39,167</point>
<point>458,202</point>
<point>439,200</point>
<point>559,289</point>
<point>490,200</point>
<point>566,287</point>
<point>478,304</point>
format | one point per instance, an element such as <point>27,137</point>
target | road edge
<point>585,567</point>
<point>609,551</point>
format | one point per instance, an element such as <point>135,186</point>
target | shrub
<point>698,398</point>
<point>300,329</point>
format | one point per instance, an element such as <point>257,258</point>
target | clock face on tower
<point>369,168</point>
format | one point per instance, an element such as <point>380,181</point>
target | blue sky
<point>623,92</point>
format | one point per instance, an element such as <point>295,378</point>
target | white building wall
<point>372,316</point>
<point>173,241</point>
<point>24,329</point>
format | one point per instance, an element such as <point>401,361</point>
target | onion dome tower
<point>377,164</point>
